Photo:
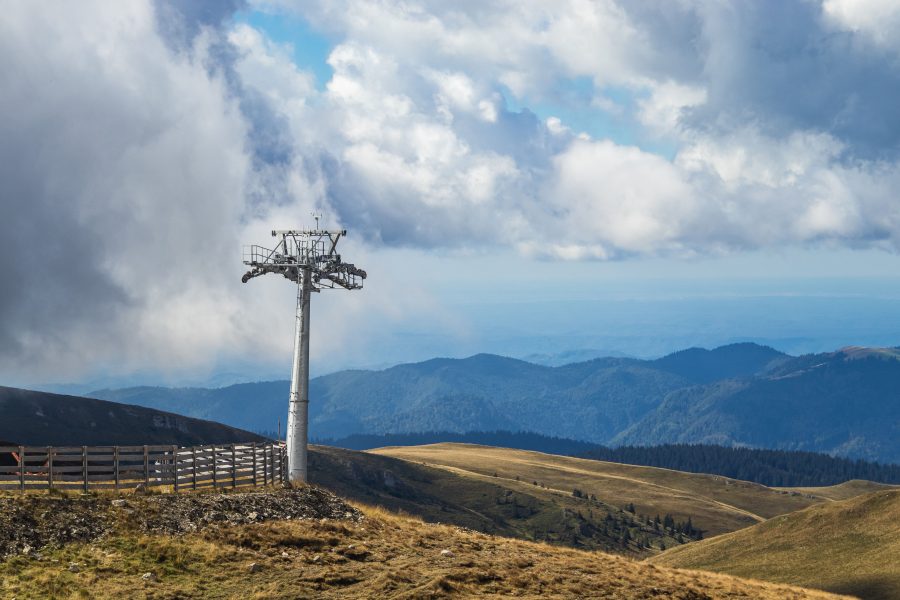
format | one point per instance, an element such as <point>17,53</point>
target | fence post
<point>253,449</point>
<point>116,465</point>
<point>22,467</point>
<point>84,467</point>
<point>146,468</point>
<point>194,466</point>
<point>215,455</point>
<point>272,447</point>
<point>50,466</point>
<point>265,466</point>
<point>175,466</point>
<point>233,467</point>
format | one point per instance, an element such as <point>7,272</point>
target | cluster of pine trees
<point>768,467</point>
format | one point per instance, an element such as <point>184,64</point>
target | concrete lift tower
<point>309,258</point>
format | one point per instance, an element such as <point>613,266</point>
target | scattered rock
<point>316,559</point>
<point>285,555</point>
<point>255,568</point>
<point>140,489</point>
<point>180,513</point>
<point>30,522</point>
<point>151,577</point>
<point>73,568</point>
<point>447,553</point>
<point>354,552</point>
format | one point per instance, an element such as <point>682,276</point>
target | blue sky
<point>310,47</point>
<point>620,176</point>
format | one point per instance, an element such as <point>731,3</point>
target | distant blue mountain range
<point>845,403</point>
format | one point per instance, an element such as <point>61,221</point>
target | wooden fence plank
<point>112,467</point>
<point>84,466</point>
<point>22,467</point>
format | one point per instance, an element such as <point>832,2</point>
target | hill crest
<point>848,546</point>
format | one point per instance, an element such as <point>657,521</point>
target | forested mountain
<point>43,419</point>
<point>737,360</point>
<point>845,403</point>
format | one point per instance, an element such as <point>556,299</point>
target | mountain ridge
<point>44,419</point>
<point>691,396</point>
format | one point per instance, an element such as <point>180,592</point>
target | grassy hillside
<point>843,491</point>
<point>522,440</point>
<point>331,553</point>
<point>715,504</point>
<point>485,503</point>
<point>43,419</point>
<point>850,546</point>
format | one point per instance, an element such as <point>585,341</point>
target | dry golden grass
<point>843,491</point>
<point>716,504</point>
<point>491,505</point>
<point>384,556</point>
<point>850,546</point>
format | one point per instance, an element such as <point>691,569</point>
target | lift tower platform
<point>310,259</point>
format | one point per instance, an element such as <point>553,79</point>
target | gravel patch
<point>29,523</point>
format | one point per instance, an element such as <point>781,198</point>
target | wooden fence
<point>125,467</point>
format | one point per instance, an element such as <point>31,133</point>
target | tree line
<point>779,468</point>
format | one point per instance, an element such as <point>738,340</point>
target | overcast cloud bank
<point>142,143</point>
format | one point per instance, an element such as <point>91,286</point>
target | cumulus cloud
<point>128,172</point>
<point>770,107</point>
<point>123,177</point>
<point>877,19</point>
<point>142,142</point>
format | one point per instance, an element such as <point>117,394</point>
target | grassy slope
<point>487,504</point>
<point>843,491</point>
<point>384,556</point>
<point>850,546</point>
<point>715,504</point>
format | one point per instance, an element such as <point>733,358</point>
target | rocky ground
<point>31,522</point>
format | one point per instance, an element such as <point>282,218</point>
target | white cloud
<point>877,19</point>
<point>134,169</point>
<point>662,110</point>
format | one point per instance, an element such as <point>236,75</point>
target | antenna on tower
<point>310,259</point>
